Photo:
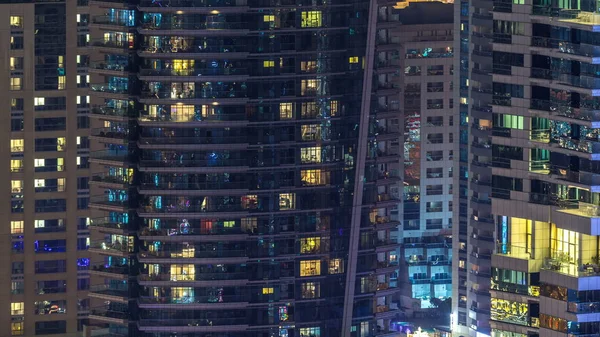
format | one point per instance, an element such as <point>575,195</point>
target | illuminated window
<point>17,145</point>
<point>16,186</point>
<point>310,155</point>
<point>16,328</point>
<point>39,223</point>
<point>309,66</point>
<point>461,264</point>
<point>564,245</point>
<point>229,224</point>
<point>309,87</point>
<point>16,165</point>
<point>182,295</point>
<point>312,19</point>
<point>311,290</point>
<point>309,110</point>
<point>312,332</point>
<point>39,162</point>
<point>183,272</point>
<point>17,308</point>
<point>62,82</point>
<point>287,201</point>
<point>39,101</point>
<point>268,64</point>
<point>250,201</point>
<point>310,268</point>
<point>336,266</point>
<point>16,63</point>
<point>310,245</point>
<point>16,227</point>
<point>311,132</point>
<point>15,83</point>
<point>60,143</point>
<point>60,164</point>
<point>269,18</point>
<point>353,59</point>
<point>286,110</point>
<point>268,291</point>
<point>314,177</point>
<point>16,21</point>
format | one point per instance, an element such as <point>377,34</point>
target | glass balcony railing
<point>192,322</point>
<point>194,299</point>
<point>109,88</point>
<point>583,307</point>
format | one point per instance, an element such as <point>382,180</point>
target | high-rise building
<point>246,164</point>
<point>426,54</point>
<point>44,129</point>
<point>533,238</point>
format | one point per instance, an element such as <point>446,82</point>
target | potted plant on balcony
<point>562,259</point>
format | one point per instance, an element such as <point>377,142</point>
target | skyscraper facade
<point>44,127</point>
<point>425,34</point>
<point>533,241</point>
<point>245,163</point>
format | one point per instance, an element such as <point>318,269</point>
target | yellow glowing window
<point>333,107</point>
<point>287,201</point>
<point>17,145</point>
<point>336,266</point>
<point>308,66</point>
<point>61,61</point>
<point>310,268</point>
<point>16,186</point>
<point>183,272</point>
<point>62,82</point>
<point>16,227</point>
<point>16,165</point>
<point>312,19</point>
<point>16,63</point>
<point>60,143</point>
<point>229,224</point>
<point>16,328</point>
<point>39,101</point>
<point>353,59</point>
<point>309,87</point>
<point>16,21</point>
<point>286,110</point>
<point>17,308</point>
<point>314,177</point>
<point>310,245</point>
<point>16,83</point>
<point>268,64</point>
<point>60,164</point>
<point>269,18</point>
<point>268,291</point>
<point>310,155</point>
<point>311,132</point>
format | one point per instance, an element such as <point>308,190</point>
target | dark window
<point>50,266</point>
<point>50,124</point>
<point>16,124</point>
<point>50,327</point>
<point>50,205</point>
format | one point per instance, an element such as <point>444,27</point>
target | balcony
<point>576,276</point>
<point>109,316</point>
<point>111,248</point>
<point>114,156</point>
<point>110,180</point>
<point>109,202</point>
<point>209,4</point>
<point>107,223</point>
<point>563,47</point>
<point>110,271</point>
<point>192,324</point>
<point>111,112</point>
<point>111,135</point>
<point>110,292</point>
<point>113,21</point>
<point>204,72</point>
<point>518,252</point>
<point>194,302</point>
<point>110,67</point>
<point>200,276</point>
<point>109,88</point>
<point>113,45</point>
